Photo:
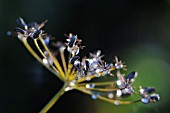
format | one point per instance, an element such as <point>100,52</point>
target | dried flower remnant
<point>77,73</point>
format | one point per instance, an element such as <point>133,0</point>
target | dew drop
<point>68,88</point>
<point>94,96</point>
<point>20,36</point>
<point>116,103</point>
<point>119,82</point>
<point>98,70</point>
<point>88,78</point>
<point>110,95</point>
<point>45,61</point>
<point>118,93</point>
<point>97,75</point>
<point>141,91</point>
<point>145,100</point>
<point>90,85</point>
<point>72,83</point>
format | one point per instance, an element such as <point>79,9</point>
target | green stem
<point>54,99</point>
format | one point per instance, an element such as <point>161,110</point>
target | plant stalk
<point>54,99</point>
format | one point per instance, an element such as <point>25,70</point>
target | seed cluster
<point>77,73</point>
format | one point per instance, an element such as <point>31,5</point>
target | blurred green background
<point>137,31</point>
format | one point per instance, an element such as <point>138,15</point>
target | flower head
<point>77,72</point>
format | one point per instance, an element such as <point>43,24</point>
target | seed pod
<point>154,98</point>
<point>130,78</point>
<point>149,90</point>
<point>72,41</point>
<point>19,30</point>
<point>72,60</point>
<point>37,34</point>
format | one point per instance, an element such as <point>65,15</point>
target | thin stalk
<point>99,89</point>
<point>73,75</point>
<point>106,99</point>
<point>98,83</point>
<point>24,41</point>
<point>85,78</point>
<point>54,99</point>
<point>63,60</point>
<point>70,66</point>
<point>90,77</point>
<point>54,60</point>
<point>39,49</point>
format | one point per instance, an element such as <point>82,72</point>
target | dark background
<point>138,31</point>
